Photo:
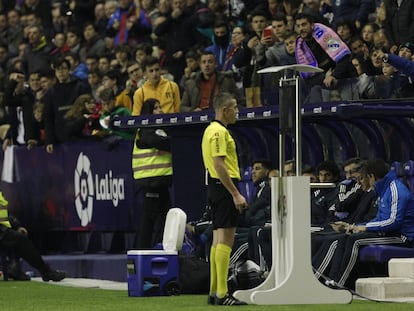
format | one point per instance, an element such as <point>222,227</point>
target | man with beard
<point>203,86</point>
<point>320,46</point>
<point>222,45</point>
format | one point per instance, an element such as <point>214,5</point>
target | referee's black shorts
<point>223,211</point>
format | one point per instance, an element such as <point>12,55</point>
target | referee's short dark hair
<point>222,99</point>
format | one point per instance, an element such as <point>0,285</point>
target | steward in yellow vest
<point>152,172</point>
<point>151,158</point>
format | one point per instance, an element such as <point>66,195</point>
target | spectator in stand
<point>365,84</point>
<point>38,138</point>
<point>311,7</point>
<point>92,62</point>
<point>374,64</point>
<point>312,49</point>
<point>141,52</point>
<point>192,59</point>
<point>93,43</point>
<point>122,57</point>
<point>380,15</point>
<point>40,8</point>
<point>19,101</point>
<point>346,30</point>
<point>111,80</point>
<point>94,81</point>
<point>15,32</point>
<point>57,102</point>
<point>47,80</point>
<point>111,110</point>
<point>60,20</point>
<point>82,118</point>
<point>4,60</point>
<point>380,40</point>
<point>271,44</point>
<point>129,24</point>
<point>201,89</point>
<point>35,86</point>
<point>178,31</point>
<point>165,91</point>
<point>60,46</point>
<point>221,45</point>
<point>355,11</point>
<point>399,22</point>
<point>4,28</point>
<point>289,8</point>
<point>100,21</point>
<point>81,11</point>
<point>78,70</point>
<point>38,58</point>
<point>237,37</point>
<point>358,46</point>
<point>73,39</point>
<point>405,67</point>
<point>110,8</point>
<point>246,59</point>
<point>367,34</point>
<point>126,97</point>
<point>406,50</point>
<point>150,9</point>
<point>104,64</point>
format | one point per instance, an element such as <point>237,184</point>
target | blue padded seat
<point>383,253</point>
<point>246,186</point>
<point>409,174</point>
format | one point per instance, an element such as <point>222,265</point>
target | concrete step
<point>385,287</point>
<point>401,267</point>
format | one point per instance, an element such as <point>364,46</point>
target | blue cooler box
<point>152,273</point>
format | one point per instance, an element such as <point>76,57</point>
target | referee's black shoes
<point>229,300</point>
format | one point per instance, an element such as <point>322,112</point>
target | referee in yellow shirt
<point>225,200</point>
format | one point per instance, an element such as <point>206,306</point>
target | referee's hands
<point>240,203</point>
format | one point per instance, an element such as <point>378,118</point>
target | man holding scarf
<point>319,46</point>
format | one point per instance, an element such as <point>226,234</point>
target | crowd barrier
<point>85,188</point>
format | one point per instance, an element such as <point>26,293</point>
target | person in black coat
<point>19,101</point>
<point>58,101</point>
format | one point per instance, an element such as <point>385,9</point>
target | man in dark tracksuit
<point>393,224</point>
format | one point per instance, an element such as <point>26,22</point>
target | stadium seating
<point>246,186</point>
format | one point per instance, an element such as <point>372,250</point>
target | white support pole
<point>291,279</point>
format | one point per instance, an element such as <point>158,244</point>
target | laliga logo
<point>84,189</point>
<point>104,189</point>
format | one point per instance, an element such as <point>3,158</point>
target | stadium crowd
<point>53,53</point>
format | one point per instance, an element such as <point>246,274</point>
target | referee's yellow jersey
<point>217,141</point>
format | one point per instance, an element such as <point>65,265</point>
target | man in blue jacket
<point>393,224</point>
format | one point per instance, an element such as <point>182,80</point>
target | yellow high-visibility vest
<point>4,213</point>
<point>150,162</point>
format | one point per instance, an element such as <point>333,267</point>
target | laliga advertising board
<point>101,185</point>
<point>79,186</point>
